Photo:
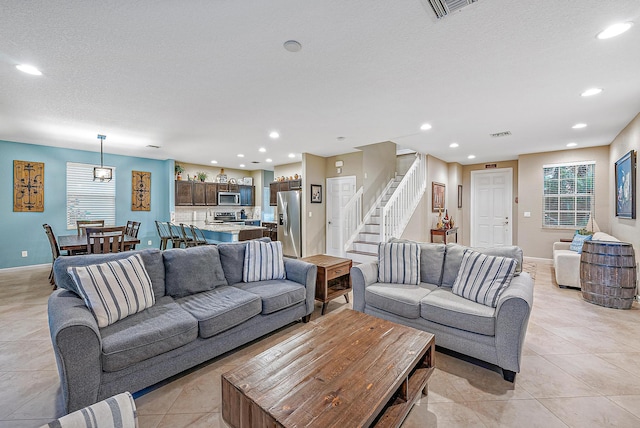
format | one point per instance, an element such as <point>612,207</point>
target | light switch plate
<point>527,214</point>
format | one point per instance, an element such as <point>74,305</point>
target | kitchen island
<point>230,232</point>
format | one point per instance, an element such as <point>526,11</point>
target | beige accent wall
<point>535,240</point>
<point>287,170</point>
<point>352,165</point>
<point>192,169</point>
<point>455,213</point>
<point>466,198</point>
<point>627,230</point>
<point>379,166</point>
<point>313,236</point>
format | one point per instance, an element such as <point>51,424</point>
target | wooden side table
<point>334,277</point>
<point>445,233</point>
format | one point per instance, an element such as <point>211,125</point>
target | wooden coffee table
<point>333,279</point>
<point>346,369</point>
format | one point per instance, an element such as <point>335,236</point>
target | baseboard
<point>18,268</point>
<point>536,259</point>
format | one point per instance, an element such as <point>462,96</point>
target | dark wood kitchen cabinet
<point>211,194</point>
<point>228,187</point>
<point>282,186</point>
<point>247,195</point>
<point>199,191</point>
<point>184,193</point>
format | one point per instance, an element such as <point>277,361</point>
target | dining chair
<point>102,240</point>
<point>187,236</point>
<point>83,224</point>
<point>132,229</point>
<point>55,252</point>
<point>198,236</point>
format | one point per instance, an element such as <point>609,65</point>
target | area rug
<point>530,268</point>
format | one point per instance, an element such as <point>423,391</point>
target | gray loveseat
<point>184,327</point>
<point>494,335</point>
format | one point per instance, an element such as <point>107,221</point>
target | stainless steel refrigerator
<point>290,222</point>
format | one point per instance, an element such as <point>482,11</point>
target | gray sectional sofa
<point>494,335</point>
<point>185,326</point>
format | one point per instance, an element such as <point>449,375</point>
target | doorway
<point>491,209</point>
<point>339,191</point>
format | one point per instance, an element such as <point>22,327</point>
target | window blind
<point>569,194</point>
<point>88,199</point>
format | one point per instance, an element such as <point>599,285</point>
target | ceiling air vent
<point>501,134</point>
<point>445,7</point>
<point>152,146</point>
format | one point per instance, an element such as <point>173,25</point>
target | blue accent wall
<point>23,231</point>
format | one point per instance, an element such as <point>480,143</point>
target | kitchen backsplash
<point>188,214</point>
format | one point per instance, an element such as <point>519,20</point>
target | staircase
<point>390,213</point>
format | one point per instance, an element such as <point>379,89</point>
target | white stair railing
<point>352,217</point>
<point>396,213</point>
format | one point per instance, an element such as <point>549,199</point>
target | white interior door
<point>339,192</point>
<point>491,195</point>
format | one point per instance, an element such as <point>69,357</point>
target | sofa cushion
<point>454,253</point>
<point>578,241</point>
<point>400,299</point>
<point>114,290</point>
<point>431,260</point>
<point>443,307</point>
<point>232,259</point>
<point>263,261</point>
<point>601,236</point>
<point>399,262</point>
<point>483,278</point>
<point>275,294</point>
<point>192,270</point>
<point>151,257</point>
<point>221,309</point>
<point>158,329</point>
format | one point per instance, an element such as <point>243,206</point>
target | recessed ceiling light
<point>274,135</point>
<point>614,30</point>
<point>453,145</point>
<point>425,127</point>
<point>291,155</point>
<point>269,160</point>
<point>572,144</point>
<point>591,91</point>
<point>579,126</point>
<point>241,165</point>
<point>29,69</point>
<point>262,150</point>
<point>214,161</point>
<point>471,157</point>
<point>240,155</point>
<point>292,46</point>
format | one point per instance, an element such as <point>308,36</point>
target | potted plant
<point>179,170</point>
<point>201,175</point>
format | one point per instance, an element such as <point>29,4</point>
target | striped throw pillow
<point>263,261</point>
<point>399,263</point>
<point>118,411</point>
<point>114,290</point>
<point>483,278</point>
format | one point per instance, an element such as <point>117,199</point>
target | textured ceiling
<point>210,79</point>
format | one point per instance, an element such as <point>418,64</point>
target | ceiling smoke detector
<point>443,8</point>
<point>501,134</point>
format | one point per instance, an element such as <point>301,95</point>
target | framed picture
<point>248,181</point>
<point>626,186</point>
<point>437,196</point>
<point>459,195</point>
<point>316,194</point>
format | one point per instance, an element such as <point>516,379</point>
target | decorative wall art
<point>626,186</point>
<point>316,194</point>
<point>28,186</point>
<point>140,191</point>
<point>437,196</point>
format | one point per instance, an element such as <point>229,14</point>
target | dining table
<point>78,243</point>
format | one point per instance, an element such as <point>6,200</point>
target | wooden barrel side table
<point>608,274</point>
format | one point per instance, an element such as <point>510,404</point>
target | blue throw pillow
<point>578,240</point>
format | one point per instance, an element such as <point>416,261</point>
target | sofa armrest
<point>512,317</point>
<point>77,346</point>
<point>303,273</point>
<point>561,245</point>
<point>362,276</point>
<point>118,411</point>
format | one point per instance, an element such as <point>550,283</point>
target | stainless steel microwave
<point>228,198</point>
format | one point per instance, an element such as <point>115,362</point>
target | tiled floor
<point>581,368</point>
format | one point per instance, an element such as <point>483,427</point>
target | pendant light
<point>102,173</point>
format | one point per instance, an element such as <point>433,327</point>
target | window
<point>88,199</point>
<point>568,194</point>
